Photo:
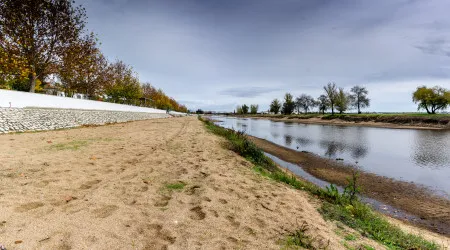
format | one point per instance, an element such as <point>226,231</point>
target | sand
<point>115,187</point>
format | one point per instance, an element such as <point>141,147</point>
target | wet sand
<point>156,184</point>
<point>433,211</point>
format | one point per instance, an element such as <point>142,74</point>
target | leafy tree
<point>305,102</point>
<point>431,99</point>
<point>342,101</point>
<point>239,110</point>
<point>323,103</point>
<point>332,93</point>
<point>123,86</point>
<point>288,105</point>
<point>359,98</point>
<point>84,69</point>
<point>38,33</point>
<point>254,108</point>
<point>275,106</point>
<point>244,109</point>
<point>199,111</point>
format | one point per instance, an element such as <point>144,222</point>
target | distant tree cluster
<point>43,39</point>
<point>334,98</point>
<point>244,109</point>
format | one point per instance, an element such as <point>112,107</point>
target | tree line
<point>334,98</point>
<point>44,39</point>
<point>338,100</point>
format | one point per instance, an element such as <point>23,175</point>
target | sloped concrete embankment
<point>39,119</point>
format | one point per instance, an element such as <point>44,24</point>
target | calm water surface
<point>419,156</point>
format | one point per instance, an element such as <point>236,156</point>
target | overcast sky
<point>216,54</point>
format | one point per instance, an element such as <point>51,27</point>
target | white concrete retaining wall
<point>18,99</point>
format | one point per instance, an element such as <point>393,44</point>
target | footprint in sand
<point>29,206</point>
<point>104,211</point>
<point>233,221</point>
<point>89,184</point>
<point>162,201</point>
<point>193,190</point>
<point>197,213</point>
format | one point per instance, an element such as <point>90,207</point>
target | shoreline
<point>433,211</point>
<point>339,122</point>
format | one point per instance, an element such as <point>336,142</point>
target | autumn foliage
<point>46,39</point>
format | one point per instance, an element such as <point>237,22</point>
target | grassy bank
<point>336,206</point>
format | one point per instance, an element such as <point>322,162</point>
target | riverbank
<point>397,121</point>
<point>155,184</point>
<point>433,211</point>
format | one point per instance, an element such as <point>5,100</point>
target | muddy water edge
<point>433,211</point>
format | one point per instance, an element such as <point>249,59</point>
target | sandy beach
<point>156,184</point>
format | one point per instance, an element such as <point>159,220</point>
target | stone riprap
<point>37,119</point>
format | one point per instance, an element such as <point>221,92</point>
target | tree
<point>323,103</point>
<point>359,98</point>
<point>84,69</point>
<point>342,101</point>
<point>199,111</point>
<point>275,106</point>
<point>288,105</point>
<point>244,109</point>
<point>239,110</point>
<point>254,108</point>
<point>431,99</point>
<point>331,92</point>
<point>38,32</point>
<point>123,87</point>
<point>305,102</point>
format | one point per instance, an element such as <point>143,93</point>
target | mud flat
<point>155,184</point>
<point>433,211</point>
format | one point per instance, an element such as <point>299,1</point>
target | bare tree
<point>359,98</point>
<point>323,103</point>
<point>305,102</point>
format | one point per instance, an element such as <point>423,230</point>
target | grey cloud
<point>247,91</point>
<point>192,49</point>
<point>437,46</point>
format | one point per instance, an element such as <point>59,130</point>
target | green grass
<point>175,186</point>
<point>78,144</point>
<point>73,145</point>
<point>335,206</point>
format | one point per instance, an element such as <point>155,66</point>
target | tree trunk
<point>332,109</point>
<point>359,110</point>
<point>32,83</point>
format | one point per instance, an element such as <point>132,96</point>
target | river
<point>412,155</point>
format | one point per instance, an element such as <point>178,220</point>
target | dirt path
<point>433,211</point>
<point>156,184</point>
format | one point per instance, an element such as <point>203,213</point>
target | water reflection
<point>428,149</point>
<point>332,147</point>
<point>360,151</point>
<point>288,140</point>
<point>420,156</point>
<point>275,135</point>
<point>303,141</point>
